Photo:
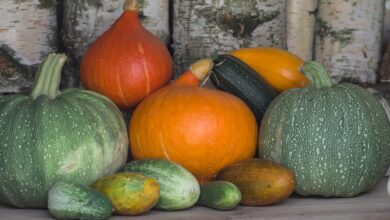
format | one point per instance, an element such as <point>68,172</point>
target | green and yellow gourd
<point>48,136</point>
<point>336,138</point>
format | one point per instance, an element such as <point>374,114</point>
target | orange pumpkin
<point>279,68</point>
<point>127,62</point>
<point>202,129</point>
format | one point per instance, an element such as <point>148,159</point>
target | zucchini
<point>233,76</point>
<point>219,195</point>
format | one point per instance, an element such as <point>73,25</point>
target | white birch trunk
<point>205,28</point>
<point>386,26</point>
<point>348,38</point>
<point>84,21</point>
<point>300,27</point>
<point>28,32</point>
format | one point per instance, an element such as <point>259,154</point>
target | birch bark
<point>300,27</point>
<point>205,28</point>
<point>28,32</point>
<point>85,20</point>
<point>348,38</point>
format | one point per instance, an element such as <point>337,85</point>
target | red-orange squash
<point>127,62</point>
<point>279,68</point>
<point>202,129</point>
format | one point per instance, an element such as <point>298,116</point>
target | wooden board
<point>374,205</point>
<point>84,21</point>
<point>205,28</point>
<point>348,38</point>
<point>28,32</point>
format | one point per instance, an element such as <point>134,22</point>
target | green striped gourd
<point>179,189</point>
<point>47,136</point>
<point>336,138</point>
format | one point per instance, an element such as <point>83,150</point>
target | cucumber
<point>179,189</point>
<point>219,195</point>
<point>235,77</point>
<point>72,201</point>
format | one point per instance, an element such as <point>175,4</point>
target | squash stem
<point>48,77</point>
<point>130,5</point>
<point>317,74</point>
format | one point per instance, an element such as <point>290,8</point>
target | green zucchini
<point>179,189</point>
<point>233,76</point>
<point>219,195</point>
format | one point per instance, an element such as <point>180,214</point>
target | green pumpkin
<point>336,138</point>
<point>48,136</point>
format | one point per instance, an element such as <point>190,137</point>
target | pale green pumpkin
<point>48,136</point>
<point>336,138</point>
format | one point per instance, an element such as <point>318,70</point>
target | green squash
<point>336,138</point>
<point>48,136</point>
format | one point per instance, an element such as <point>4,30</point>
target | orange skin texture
<point>126,63</point>
<point>279,68</point>
<point>261,182</point>
<point>201,129</point>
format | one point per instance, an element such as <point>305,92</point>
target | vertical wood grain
<point>28,32</point>
<point>348,38</point>
<point>205,28</point>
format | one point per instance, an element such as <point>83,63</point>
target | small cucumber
<point>179,189</point>
<point>73,201</point>
<point>219,195</point>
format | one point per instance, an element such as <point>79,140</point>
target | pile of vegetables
<point>190,145</point>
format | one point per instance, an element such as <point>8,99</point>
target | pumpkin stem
<point>317,74</point>
<point>48,77</point>
<point>130,5</point>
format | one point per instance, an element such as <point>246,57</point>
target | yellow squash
<point>279,68</point>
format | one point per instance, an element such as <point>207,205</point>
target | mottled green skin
<point>77,136</point>
<point>219,195</point>
<point>72,201</point>
<point>335,139</point>
<point>179,189</point>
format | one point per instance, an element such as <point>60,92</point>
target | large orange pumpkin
<point>127,62</point>
<point>202,129</point>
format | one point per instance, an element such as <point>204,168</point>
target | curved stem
<point>130,5</point>
<point>196,73</point>
<point>47,81</point>
<point>317,74</point>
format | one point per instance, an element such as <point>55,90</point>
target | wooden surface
<point>374,205</point>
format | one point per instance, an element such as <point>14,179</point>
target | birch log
<point>28,32</point>
<point>348,38</point>
<point>300,27</point>
<point>204,28</point>
<point>85,20</point>
<point>386,26</point>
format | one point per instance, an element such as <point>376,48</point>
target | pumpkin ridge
<point>99,119</point>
